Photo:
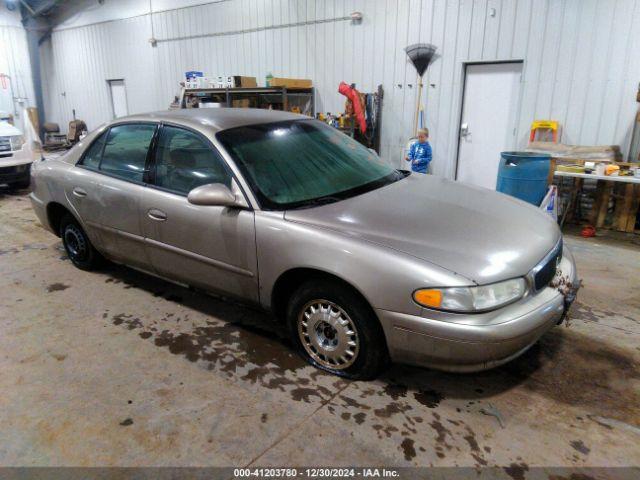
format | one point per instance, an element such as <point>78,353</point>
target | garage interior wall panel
<point>579,65</point>
<point>14,57</point>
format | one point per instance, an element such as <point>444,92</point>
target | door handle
<point>157,215</point>
<point>79,192</point>
<point>464,130</point>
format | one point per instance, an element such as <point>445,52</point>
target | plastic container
<point>524,175</point>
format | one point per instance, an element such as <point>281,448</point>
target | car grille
<point>14,169</point>
<point>5,144</point>
<point>546,270</point>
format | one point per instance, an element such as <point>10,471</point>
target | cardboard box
<point>290,82</point>
<point>241,103</point>
<point>244,82</point>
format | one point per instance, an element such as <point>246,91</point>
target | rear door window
<point>91,158</point>
<point>125,152</point>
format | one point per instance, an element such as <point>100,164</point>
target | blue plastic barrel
<point>524,175</point>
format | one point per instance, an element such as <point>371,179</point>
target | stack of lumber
<point>601,153</point>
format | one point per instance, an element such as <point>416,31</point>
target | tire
<point>341,334</point>
<point>78,246</point>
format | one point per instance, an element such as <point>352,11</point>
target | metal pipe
<point>257,29</point>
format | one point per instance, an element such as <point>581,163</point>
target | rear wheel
<point>335,330</point>
<point>78,246</point>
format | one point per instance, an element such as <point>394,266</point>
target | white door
<point>118,98</point>
<point>488,122</point>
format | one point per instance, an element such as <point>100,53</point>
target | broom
<point>421,55</point>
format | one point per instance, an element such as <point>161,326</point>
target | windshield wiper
<point>316,202</point>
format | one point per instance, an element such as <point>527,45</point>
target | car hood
<point>475,232</point>
<point>6,130</point>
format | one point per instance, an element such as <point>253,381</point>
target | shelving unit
<point>279,98</point>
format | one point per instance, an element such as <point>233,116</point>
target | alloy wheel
<point>328,334</point>
<point>75,243</point>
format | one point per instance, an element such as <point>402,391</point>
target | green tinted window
<point>290,164</point>
<point>126,151</point>
<point>92,156</point>
<point>184,161</point>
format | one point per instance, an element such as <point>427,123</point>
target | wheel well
<point>55,213</point>
<point>287,283</point>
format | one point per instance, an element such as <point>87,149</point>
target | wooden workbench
<point>626,208</point>
<point>592,176</point>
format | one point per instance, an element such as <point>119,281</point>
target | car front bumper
<point>17,173</point>
<point>15,166</point>
<point>467,343</point>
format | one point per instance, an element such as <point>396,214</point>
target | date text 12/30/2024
<point>315,473</point>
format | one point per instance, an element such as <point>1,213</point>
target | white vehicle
<point>15,158</point>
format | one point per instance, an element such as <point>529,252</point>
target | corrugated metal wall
<point>579,62</point>
<point>14,61</point>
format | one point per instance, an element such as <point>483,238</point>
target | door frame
<point>126,98</point>
<point>462,99</point>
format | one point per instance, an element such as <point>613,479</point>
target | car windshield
<point>302,163</point>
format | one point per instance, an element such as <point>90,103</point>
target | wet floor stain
<point>573,476</point>
<point>57,287</point>
<point>23,248</point>
<point>408,449</point>
<point>588,313</point>
<point>34,246</point>
<point>129,321</point>
<point>428,398</point>
<point>516,470</point>
<point>472,441</point>
<point>580,447</point>
<point>395,391</point>
<point>126,285</point>
<point>236,351</point>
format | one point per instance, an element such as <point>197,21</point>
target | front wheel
<point>78,246</point>
<point>335,330</point>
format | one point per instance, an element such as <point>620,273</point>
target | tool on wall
<point>421,55</point>
<point>357,101</point>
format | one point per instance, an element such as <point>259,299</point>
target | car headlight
<point>471,299</point>
<point>16,142</point>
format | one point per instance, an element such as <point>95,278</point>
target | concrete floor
<point>118,368</point>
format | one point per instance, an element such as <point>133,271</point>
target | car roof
<point>215,119</point>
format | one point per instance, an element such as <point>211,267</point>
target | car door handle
<point>78,192</point>
<point>157,215</point>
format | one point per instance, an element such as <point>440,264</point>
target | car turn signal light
<point>428,297</point>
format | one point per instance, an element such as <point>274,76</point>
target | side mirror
<point>213,194</point>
